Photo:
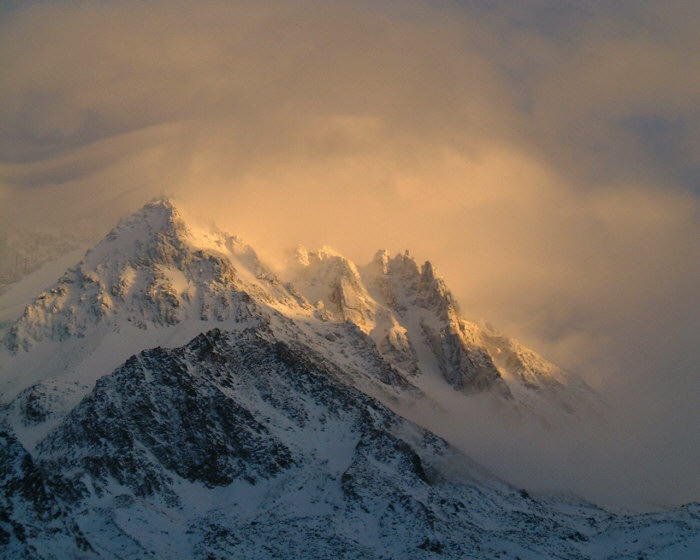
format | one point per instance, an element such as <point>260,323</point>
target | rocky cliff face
<point>239,445</point>
<point>33,523</point>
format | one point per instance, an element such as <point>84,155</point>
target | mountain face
<point>141,273</point>
<point>156,275</point>
<point>238,445</point>
<point>171,397</point>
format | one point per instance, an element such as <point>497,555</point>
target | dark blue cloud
<point>667,141</point>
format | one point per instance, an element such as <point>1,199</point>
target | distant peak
<point>428,271</point>
<point>164,201</point>
<point>380,261</point>
<point>154,225</point>
<point>325,253</point>
<point>157,214</point>
<point>163,206</point>
<point>301,255</point>
<point>404,264</point>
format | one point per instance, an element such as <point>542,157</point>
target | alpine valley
<point>170,396</point>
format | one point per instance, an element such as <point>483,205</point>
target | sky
<point>545,156</point>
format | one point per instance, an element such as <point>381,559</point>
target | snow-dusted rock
<point>239,445</point>
<point>170,396</point>
<point>157,274</point>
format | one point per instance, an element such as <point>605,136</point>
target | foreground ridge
<point>237,444</point>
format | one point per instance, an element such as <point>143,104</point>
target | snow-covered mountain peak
<point>144,234</point>
<point>301,256</point>
<point>400,283</point>
<point>296,257</point>
<point>380,262</point>
<point>151,270</point>
<point>158,277</point>
<point>433,292</point>
<point>160,233</point>
<point>169,396</point>
<point>404,265</point>
<point>325,253</point>
<point>332,283</point>
<point>160,214</point>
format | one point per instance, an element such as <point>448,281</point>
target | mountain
<point>156,280</point>
<point>238,445</point>
<point>172,397</point>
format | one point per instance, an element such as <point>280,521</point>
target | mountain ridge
<point>155,279</point>
<point>172,396</point>
<point>240,445</point>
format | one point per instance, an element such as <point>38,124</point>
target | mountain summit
<point>151,270</point>
<point>157,274</point>
<point>170,396</point>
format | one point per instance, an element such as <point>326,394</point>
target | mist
<point>544,157</point>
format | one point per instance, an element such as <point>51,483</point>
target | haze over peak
<point>155,272</point>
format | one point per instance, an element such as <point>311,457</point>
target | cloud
<point>544,158</point>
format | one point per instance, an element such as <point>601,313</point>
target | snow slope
<point>171,396</point>
<point>239,445</point>
<point>155,280</point>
